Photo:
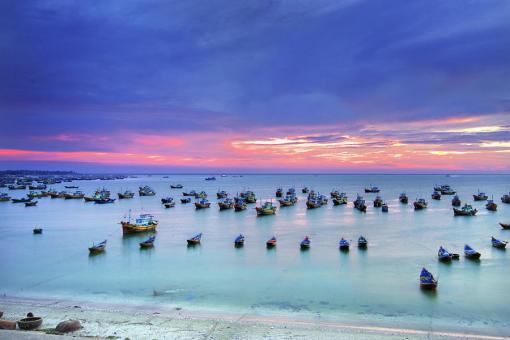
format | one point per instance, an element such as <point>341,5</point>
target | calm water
<point>379,285</point>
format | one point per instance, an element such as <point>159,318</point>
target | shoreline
<point>167,322</point>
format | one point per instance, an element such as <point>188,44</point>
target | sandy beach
<point>102,321</point>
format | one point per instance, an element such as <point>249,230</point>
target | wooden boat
<point>176,186</point>
<point>21,200</point>
<point>37,230</point>
<point>446,190</point>
<point>505,199</point>
<point>456,201</point>
<point>305,244</point>
<point>226,203</point>
<point>71,187</point>
<point>362,242</point>
<point>169,204</point>
<point>444,255</point>
<point>384,208</point>
<point>221,194</point>
<point>491,206</point>
<point>378,202</point>
<point>480,196</point>
<point>186,200</point>
<point>144,223</point>
<point>427,280</point>
<point>190,193</point>
<point>334,194</point>
<point>146,191</point>
<point>149,243</point>
<point>31,204</point>
<point>466,210</point>
<point>194,240</point>
<point>372,189</point>
<point>239,241</point>
<point>271,243</point>
<point>239,204</point>
<point>498,243</point>
<point>470,253</point>
<point>289,200</point>
<point>305,190</point>
<point>436,195</point>
<point>210,178</point>
<point>505,225</point>
<point>37,187</point>
<point>89,199</point>
<point>359,204</point>
<point>4,197</point>
<point>403,198</point>
<point>420,204</point>
<point>126,194</point>
<point>313,203</point>
<point>266,209</point>
<point>248,197</point>
<point>33,194</point>
<point>74,195</point>
<point>291,192</point>
<point>202,204</point>
<point>343,244</point>
<point>341,199</point>
<point>30,323</point>
<point>104,200</point>
<point>201,194</point>
<point>279,192</point>
<point>98,248</point>
<point>167,200</point>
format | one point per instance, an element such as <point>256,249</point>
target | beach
<point>142,322</point>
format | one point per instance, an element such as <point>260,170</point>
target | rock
<point>68,326</point>
<point>5,324</point>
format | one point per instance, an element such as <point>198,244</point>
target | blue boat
<point>167,200</point>
<point>104,200</point>
<point>194,240</point>
<point>444,255</point>
<point>498,243</point>
<point>186,200</point>
<point>305,244</point>
<point>427,280</point>
<point>149,243</point>
<point>362,242</point>
<point>98,248</point>
<point>344,244</point>
<point>271,242</point>
<point>239,241</point>
<point>210,178</point>
<point>470,253</point>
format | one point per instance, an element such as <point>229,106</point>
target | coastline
<point>166,322</point>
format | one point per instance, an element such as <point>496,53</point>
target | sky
<point>256,86</point>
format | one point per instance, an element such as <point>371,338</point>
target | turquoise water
<point>379,285</point>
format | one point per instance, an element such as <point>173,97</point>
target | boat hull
<point>428,286</point>
<point>505,226</point>
<point>129,228</point>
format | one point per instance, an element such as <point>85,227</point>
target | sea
<point>377,286</point>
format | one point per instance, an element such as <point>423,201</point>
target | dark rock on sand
<point>68,326</point>
<point>5,324</point>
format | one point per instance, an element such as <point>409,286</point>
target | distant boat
<point>176,186</point>
<point>505,225</point>
<point>167,200</point>
<point>372,189</point>
<point>279,192</point>
<point>37,230</point>
<point>271,242</point>
<point>420,204</point>
<point>266,209</point>
<point>403,198</point>
<point>305,190</point>
<point>146,191</point>
<point>427,280</point>
<point>144,223</point>
<point>248,196</point>
<point>149,243</point>
<point>31,204</point>
<point>194,240</point>
<point>384,208</point>
<point>226,203</point>
<point>436,195</point>
<point>456,201</point>
<point>480,196</point>
<point>222,194</point>
<point>210,178</point>
<point>190,193</point>
<point>378,202</point>
<point>126,194</point>
<point>470,253</point>
<point>344,244</point>
<point>4,197</point>
<point>104,200</point>
<point>239,204</point>
<point>98,248</point>
<point>491,206</point>
<point>169,204</point>
<point>239,241</point>
<point>305,244</point>
<point>444,255</point>
<point>359,204</point>
<point>466,210</point>
<point>186,200</point>
<point>21,200</point>
<point>71,186</point>
<point>498,243</point>
<point>505,199</point>
<point>341,199</point>
<point>201,194</point>
<point>202,204</point>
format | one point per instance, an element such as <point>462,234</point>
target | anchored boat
<point>266,209</point>
<point>420,204</point>
<point>427,280</point>
<point>470,253</point>
<point>344,244</point>
<point>466,210</point>
<point>194,240</point>
<point>202,203</point>
<point>498,243</point>
<point>271,242</point>
<point>144,223</point>
<point>403,198</point>
<point>98,248</point>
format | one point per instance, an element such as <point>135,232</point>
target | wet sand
<point>107,321</point>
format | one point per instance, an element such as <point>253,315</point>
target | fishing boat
<point>71,187</point>
<point>167,200</point>
<point>344,244</point>
<point>456,201</point>
<point>104,200</point>
<point>505,225</point>
<point>372,189</point>
<point>126,194</point>
<point>420,204</point>
<point>466,210</point>
<point>176,186</point>
<point>21,200</point>
<point>239,204</point>
<point>17,187</point>
<point>31,204</point>
<point>313,203</point>
<point>291,191</point>
<point>74,195</point>
<point>305,244</point>
<point>491,206</point>
<point>378,202</point>
<point>480,196</point>
<point>202,203</point>
<point>266,209</point>
<point>248,196</point>
<point>384,208</point>
<point>190,193</point>
<point>239,241</point>
<point>359,204</point>
<point>34,194</point>
<point>403,198</point>
<point>37,231</point>
<point>436,195</point>
<point>4,197</point>
<point>505,199</point>
<point>341,199</point>
<point>288,201</point>
<point>222,194</point>
<point>210,178</point>
<point>470,253</point>
<point>144,223</point>
<point>186,200</point>
<point>149,243</point>
<point>305,190</point>
<point>98,248</point>
<point>498,243</point>
<point>445,189</point>
<point>226,203</point>
<point>194,240</point>
<point>334,194</point>
<point>427,280</point>
<point>37,187</point>
<point>201,194</point>
<point>146,191</point>
<point>323,199</point>
<point>444,255</point>
<point>169,204</point>
<point>89,198</point>
<point>279,192</point>
<point>271,243</point>
<point>362,242</point>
